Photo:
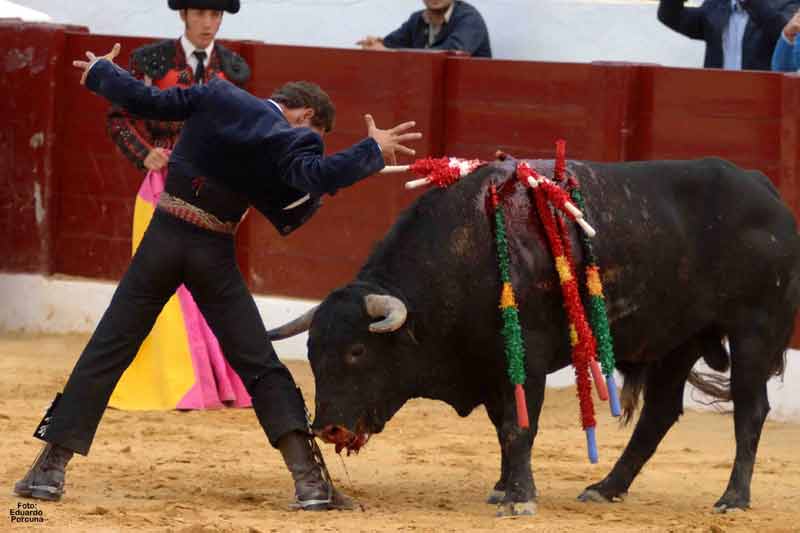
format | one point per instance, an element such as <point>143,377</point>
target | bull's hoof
<point>730,505</point>
<point>496,496</point>
<point>725,508</point>
<point>509,509</point>
<point>732,501</point>
<point>595,496</point>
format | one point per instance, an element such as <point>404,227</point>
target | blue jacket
<point>466,31</point>
<point>708,22</point>
<point>243,142</point>
<point>786,57</point>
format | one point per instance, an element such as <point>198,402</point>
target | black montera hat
<point>231,6</point>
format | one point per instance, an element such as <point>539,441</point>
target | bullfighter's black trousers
<point>173,252</point>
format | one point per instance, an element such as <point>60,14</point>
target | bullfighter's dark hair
<point>297,94</point>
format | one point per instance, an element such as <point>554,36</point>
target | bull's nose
<point>329,432</point>
<point>335,434</point>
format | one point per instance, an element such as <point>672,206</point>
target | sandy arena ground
<point>203,472</point>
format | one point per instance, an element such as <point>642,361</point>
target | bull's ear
<point>390,308</point>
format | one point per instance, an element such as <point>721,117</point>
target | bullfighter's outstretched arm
<point>302,165</point>
<point>118,87</point>
<point>297,154</point>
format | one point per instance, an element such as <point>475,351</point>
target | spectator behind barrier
<point>443,25</point>
<point>785,58</point>
<point>739,34</point>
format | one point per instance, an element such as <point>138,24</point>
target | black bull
<point>691,252</point>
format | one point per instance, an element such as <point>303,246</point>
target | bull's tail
<point>635,378</point>
<point>715,386</point>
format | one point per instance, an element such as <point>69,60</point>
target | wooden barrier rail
<point>67,195</point>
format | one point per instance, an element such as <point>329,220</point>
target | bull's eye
<point>355,353</point>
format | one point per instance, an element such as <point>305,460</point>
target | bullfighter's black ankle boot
<point>313,489</point>
<point>45,478</point>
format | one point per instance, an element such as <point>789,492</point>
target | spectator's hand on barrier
<point>392,140</point>
<point>792,28</point>
<point>85,65</point>
<point>156,159</point>
<point>371,43</point>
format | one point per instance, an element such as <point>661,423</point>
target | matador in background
<point>180,365</point>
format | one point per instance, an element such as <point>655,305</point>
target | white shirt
<point>733,37</point>
<point>189,48</point>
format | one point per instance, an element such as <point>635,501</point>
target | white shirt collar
<point>188,48</point>
<point>447,14</point>
<point>276,104</point>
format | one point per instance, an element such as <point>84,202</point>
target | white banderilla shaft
<point>574,211</point>
<point>394,169</point>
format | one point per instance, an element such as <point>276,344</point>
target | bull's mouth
<point>343,438</point>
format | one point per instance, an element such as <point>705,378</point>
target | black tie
<point>200,71</point>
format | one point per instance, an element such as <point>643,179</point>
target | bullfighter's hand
<point>156,159</point>
<point>393,140</point>
<point>86,65</point>
<point>371,43</point>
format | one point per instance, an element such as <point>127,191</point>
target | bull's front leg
<point>516,491</point>
<point>499,491</point>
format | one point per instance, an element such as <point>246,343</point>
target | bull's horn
<point>295,327</point>
<point>379,306</point>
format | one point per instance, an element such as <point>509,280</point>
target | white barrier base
<point>38,304</point>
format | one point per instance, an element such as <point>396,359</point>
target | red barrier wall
<point>32,62</point>
<point>66,194</point>
<point>620,112</point>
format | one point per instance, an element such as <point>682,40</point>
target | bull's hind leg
<point>755,355</point>
<point>663,405</point>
